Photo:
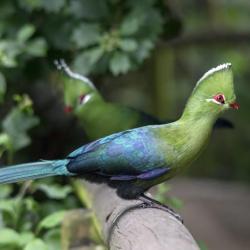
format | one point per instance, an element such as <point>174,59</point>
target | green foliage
<point>13,47</point>
<point>2,86</point>
<point>10,239</point>
<point>53,191</point>
<point>202,245</point>
<point>37,244</point>
<point>122,42</point>
<point>27,223</point>
<point>51,220</point>
<point>119,63</point>
<point>90,31</point>
<point>16,124</point>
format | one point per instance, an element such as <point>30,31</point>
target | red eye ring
<point>81,98</point>
<point>220,98</point>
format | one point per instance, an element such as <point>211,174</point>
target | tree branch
<point>210,37</point>
<point>125,226</point>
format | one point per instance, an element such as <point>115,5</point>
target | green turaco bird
<point>98,117</point>
<point>134,160</point>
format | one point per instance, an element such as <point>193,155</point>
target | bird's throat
<point>195,136</point>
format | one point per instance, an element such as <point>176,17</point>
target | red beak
<point>234,105</point>
<point>68,109</point>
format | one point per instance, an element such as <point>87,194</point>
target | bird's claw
<point>150,203</point>
<point>144,205</point>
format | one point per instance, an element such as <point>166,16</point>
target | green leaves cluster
<point>15,126</point>
<point>99,35</point>
<point>20,44</point>
<point>29,224</point>
<point>118,37</point>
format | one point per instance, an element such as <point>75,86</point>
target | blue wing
<point>95,144</point>
<point>126,155</point>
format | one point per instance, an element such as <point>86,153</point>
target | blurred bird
<point>134,160</point>
<point>100,118</point>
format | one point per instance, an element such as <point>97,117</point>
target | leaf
<point>202,245</point>
<point>85,62</point>
<point>82,64</point>
<point>128,45</point>
<point>16,125</point>
<point>9,237</point>
<point>134,20</point>
<point>143,50</point>
<point>52,6</point>
<point>30,5</point>
<point>8,52</point>
<point>152,26</point>
<point>52,220</point>
<point>92,10</point>
<point>36,244</point>
<point>2,86</point>
<point>36,47</point>
<point>55,191</point>
<point>120,63</point>
<point>58,36</point>
<point>176,202</point>
<point>25,238</point>
<point>25,33</point>
<point>86,34</point>
<point>5,143</point>
<point>137,4</point>
<point>5,190</point>
<point>31,204</point>
<point>8,206</point>
<point>53,239</point>
<point>129,26</point>
<point>95,54</point>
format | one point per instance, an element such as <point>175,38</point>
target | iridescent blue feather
<point>129,153</point>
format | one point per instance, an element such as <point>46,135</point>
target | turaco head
<point>213,93</point>
<point>78,89</point>
<point>76,93</point>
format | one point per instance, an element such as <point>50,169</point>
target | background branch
<point>210,37</point>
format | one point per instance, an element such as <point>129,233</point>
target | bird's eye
<point>220,98</point>
<point>81,98</point>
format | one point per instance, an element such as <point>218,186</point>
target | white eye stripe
<point>86,99</point>
<point>214,101</point>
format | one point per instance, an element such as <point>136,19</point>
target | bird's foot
<point>151,203</point>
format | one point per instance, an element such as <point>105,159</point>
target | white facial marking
<point>86,99</point>
<point>214,101</point>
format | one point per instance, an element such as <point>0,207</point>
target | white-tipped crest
<point>213,70</point>
<point>62,65</point>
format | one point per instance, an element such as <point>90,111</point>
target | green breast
<point>184,141</point>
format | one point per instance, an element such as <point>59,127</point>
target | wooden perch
<point>125,226</point>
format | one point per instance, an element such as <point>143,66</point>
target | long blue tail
<point>34,170</point>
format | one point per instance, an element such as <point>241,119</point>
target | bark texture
<point>127,226</point>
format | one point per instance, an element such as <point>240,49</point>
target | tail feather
<point>34,170</point>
